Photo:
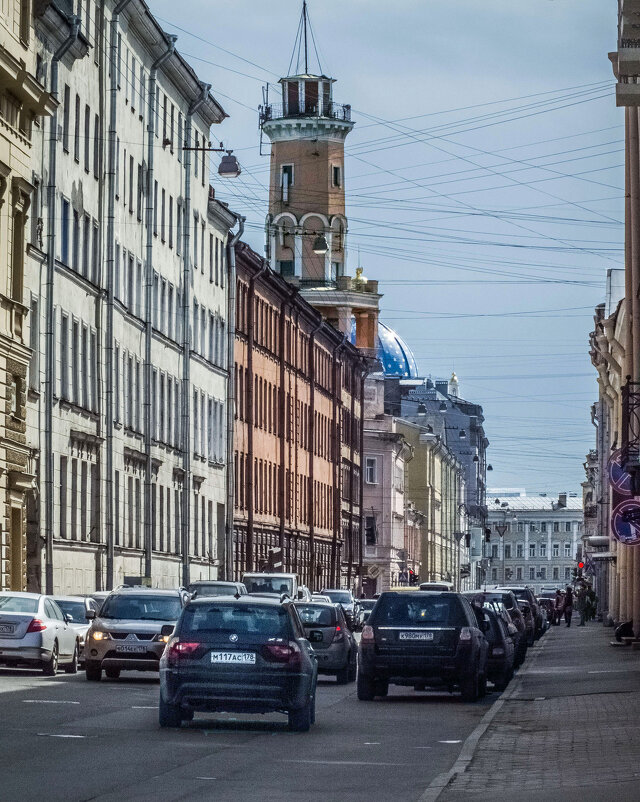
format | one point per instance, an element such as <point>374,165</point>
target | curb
<point>439,783</point>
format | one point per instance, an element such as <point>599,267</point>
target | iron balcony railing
<point>332,111</point>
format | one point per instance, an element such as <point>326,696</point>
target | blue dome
<point>394,354</point>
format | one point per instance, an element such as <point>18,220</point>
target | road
<point>63,738</point>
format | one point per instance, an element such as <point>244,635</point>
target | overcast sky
<point>484,182</point>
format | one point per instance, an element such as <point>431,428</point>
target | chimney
<point>442,386</point>
<point>562,499</point>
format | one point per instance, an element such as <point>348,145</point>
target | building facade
<point>128,293</point>
<point>24,105</point>
<point>534,540</point>
<point>298,434</point>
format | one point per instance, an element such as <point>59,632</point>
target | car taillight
<point>282,653</point>
<point>465,634</point>
<point>180,649</point>
<point>338,634</point>
<point>36,625</point>
<point>368,635</point>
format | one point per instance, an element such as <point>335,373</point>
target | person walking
<point>581,604</point>
<point>592,604</point>
<point>558,604</point>
<point>568,606</point>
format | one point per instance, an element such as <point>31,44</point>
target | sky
<point>484,183</point>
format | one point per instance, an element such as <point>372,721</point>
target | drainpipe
<point>111,221</point>
<point>249,554</point>
<point>74,21</point>
<point>148,300</point>
<point>337,464</point>
<point>361,483</point>
<point>312,443</point>
<point>226,559</point>
<point>187,281</point>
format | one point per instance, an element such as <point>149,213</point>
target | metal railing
<point>332,111</point>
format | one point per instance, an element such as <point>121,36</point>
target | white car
<point>35,632</point>
<point>77,607</point>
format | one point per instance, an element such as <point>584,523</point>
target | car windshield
<point>209,620</point>
<point>338,596</point>
<point>269,584</point>
<point>18,604</point>
<point>214,589</point>
<point>73,608</point>
<point>141,608</point>
<point>405,610</point>
<point>368,604</point>
<point>319,616</point>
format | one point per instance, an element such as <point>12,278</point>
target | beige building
<point>23,102</point>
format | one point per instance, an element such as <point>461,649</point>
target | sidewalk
<point>567,728</point>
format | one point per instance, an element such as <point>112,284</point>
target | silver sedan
<point>35,632</point>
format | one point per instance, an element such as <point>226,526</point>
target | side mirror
<point>68,618</point>
<point>90,615</point>
<point>167,629</point>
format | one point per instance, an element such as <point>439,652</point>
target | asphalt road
<point>63,738</point>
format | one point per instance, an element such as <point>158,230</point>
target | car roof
<point>22,594</point>
<point>143,590</point>
<point>421,594</point>
<point>61,597</point>
<point>214,582</point>
<point>248,600</point>
<point>315,603</point>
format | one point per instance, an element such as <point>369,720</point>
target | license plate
<point>124,647</point>
<point>415,636</point>
<point>246,658</point>
<point>7,629</point>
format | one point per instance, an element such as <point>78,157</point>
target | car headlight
<point>164,638</point>
<point>99,635</point>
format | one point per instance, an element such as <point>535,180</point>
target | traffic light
<point>487,535</point>
<point>413,577</point>
<point>580,567</point>
<point>467,539</point>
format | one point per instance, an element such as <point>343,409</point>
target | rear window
<point>316,615</point>
<point>338,596</point>
<point>268,584</point>
<point>219,589</point>
<point>142,608</point>
<point>412,610</point>
<point>209,620</point>
<point>75,609</point>
<point>18,604</point>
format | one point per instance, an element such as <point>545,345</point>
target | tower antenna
<point>306,52</point>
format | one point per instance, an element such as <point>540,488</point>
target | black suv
<point>422,638</point>
<point>238,655</point>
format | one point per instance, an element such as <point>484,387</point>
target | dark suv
<point>525,594</point>
<point>422,638</point>
<point>244,655</point>
<point>350,605</point>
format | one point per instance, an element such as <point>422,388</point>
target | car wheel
<point>469,687</point>
<point>366,688</point>
<point>501,683</point>
<point>482,686</point>
<point>381,687</point>
<point>353,668</point>
<point>93,672</point>
<point>72,667</point>
<point>342,676</point>
<point>169,715</point>
<point>187,715</point>
<point>112,673</point>
<point>300,720</point>
<point>50,666</point>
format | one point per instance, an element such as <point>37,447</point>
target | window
<point>130,184</point>
<point>87,137</point>
<point>371,471</point>
<point>65,118</point>
<point>543,549</point>
<point>567,574</point>
<point>155,208</point>
<point>494,551</point>
<point>170,221</point>
<point>520,550</point>
<point>139,194</point>
<point>520,527</point>
<point>507,551</point>
<point>286,181</point>
<point>76,131</point>
<point>178,228</point>
<point>162,215</point>
<point>519,572</point>
<point>63,496</point>
<point>195,242</point>
<point>543,573</point>
<point>64,232</point>
<point>494,574</point>
<point>180,132</point>
<point>532,549</point>
<point>34,344</point>
<point>75,237</point>
<point>543,526</point>
<point>286,267</point>
<point>96,146</point>
<point>64,357</point>
<point>556,526</point>
<point>556,549</point>
<point>336,175</point>
<point>532,573</point>
<point>567,526</point>
<point>556,573</point>
<point>567,549</point>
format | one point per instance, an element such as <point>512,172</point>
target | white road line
<point>450,742</point>
<point>345,763</point>
<point>58,735</point>
<point>144,707</point>
<point>48,702</point>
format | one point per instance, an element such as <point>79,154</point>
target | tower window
<point>336,175</point>
<point>286,181</point>
<point>286,267</point>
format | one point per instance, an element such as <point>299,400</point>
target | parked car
<point>500,661</point>
<point>246,655</point>
<point>317,597</point>
<point>367,606</point>
<point>76,608</point>
<point>304,594</point>
<point>272,582</point>
<point>526,594</point>
<point>215,587</point>
<point>332,640</point>
<point>350,605</point>
<point>126,634</point>
<point>35,632</point>
<point>98,596</point>
<point>510,604</point>
<point>422,638</point>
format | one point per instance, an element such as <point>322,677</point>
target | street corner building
<point>298,433</point>
<point>125,283</point>
<point>24,105</point>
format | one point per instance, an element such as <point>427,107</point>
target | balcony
<point>330,111</point>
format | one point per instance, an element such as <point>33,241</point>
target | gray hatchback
<point>331,638</point>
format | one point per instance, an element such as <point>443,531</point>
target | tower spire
<point>306,46</point>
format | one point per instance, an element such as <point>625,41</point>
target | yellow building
<point>23,99</point>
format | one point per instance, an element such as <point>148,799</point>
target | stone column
<point>327,256</point>
<point>622,579</point>
<point>344,320</point>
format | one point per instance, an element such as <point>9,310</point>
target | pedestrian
<point>558,604</point>
<point>581,604</point>
<point>568,605</point>
<point>592,603</point>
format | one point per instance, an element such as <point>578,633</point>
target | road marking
<point>610,671</point>
<point>206,778</point>
<point>48,702</point>
<point>372,743</point>
<point>345,763</point>
<point>450,742</point>
<point>56,735</point>
<point>422,747</point>
<point>144,707</point>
